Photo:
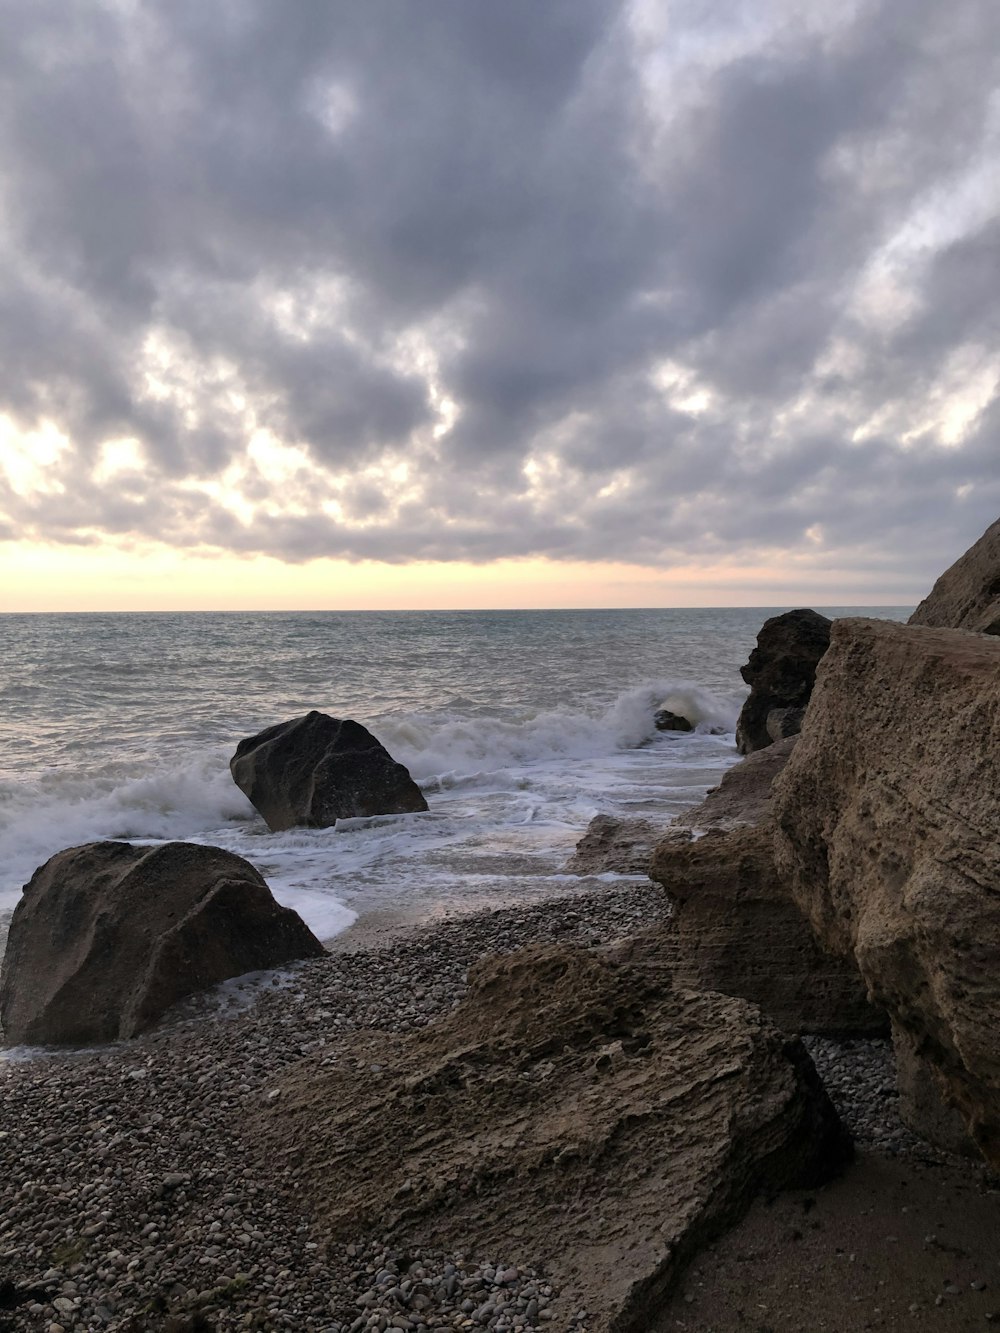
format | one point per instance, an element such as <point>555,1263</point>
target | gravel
<point>126,1198</point>
<point>127,1201</point>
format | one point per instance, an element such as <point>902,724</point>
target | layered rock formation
<point>736,927</point>
<point>615,846</point>
<point>967,595</point>
<point>107,936</point>
<point>781,673</point>
<point>888,829</point>
<point>317,769</point>
<point>574,1109</point>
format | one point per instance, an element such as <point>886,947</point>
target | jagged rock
<point>575,1109</point>
<point>665,720</point>
<point>614,846</point>
<point>317,769</point>
<point>107,936</point>
<point>888,829</point>
<point>967,595</point>
<point>781,673</point>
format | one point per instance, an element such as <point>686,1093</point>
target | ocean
<point>519,726</point>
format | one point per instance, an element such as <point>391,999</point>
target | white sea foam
<point>443,749</point>
<point>60,809</point>
<point>510,792</point>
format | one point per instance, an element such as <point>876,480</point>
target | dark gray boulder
<point>781,673</point>
<point>108,936</point>
<point>316,769</point>
<point>665,720</point>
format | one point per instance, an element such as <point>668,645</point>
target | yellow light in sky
<point>157,578</point>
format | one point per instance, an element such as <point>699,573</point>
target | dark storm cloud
<point>467,280</point>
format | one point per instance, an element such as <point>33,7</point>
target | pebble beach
<point>131,1200</point>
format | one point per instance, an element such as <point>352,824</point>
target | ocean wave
<point>439,748</point>
<point>191,794</point>
<point>63,808</point>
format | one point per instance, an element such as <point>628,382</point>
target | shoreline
<point>131,1194</point>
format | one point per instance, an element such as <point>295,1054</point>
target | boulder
<point>781,723</point>
<point>665,720</point>
<point>738,931</point>
<point>888,829</point>
<point>574,1110</point>
<point>316,769</point>
<point>781,673</point>
<point>614,846</point>
<point>967,595</point>
<point>736,927</point>
<point>108,936</point>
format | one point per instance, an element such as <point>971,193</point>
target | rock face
<point>107,936</point>
<point>574,1108</point>
<point>737,928</point>
<point>781,673</point>
<point>967,596</point>
<point>316,769</point>
<point>888,828</point>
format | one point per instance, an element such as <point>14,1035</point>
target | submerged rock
<point>314,770</point>
<point>573,1108</point>
<point>615,846</point>
<point>888,828</point>
<point>781,673</point>
<point>108,936</point>
<point>967,595</point>
<point>665,720</point>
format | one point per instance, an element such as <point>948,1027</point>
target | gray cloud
<point>465,280</point>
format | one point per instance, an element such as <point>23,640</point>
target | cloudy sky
<point>379,302</point>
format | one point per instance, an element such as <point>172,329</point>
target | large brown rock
<point>575,1110</point>
<point>738,930</point>
<point>317,769</point>
<point>614,846</point>
<point>107,936</point>
<point>781,672</point>
<point>888,828</point>
<point>967,595</point>
<point>736,927</point>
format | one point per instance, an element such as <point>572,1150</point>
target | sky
<point>323,303</point>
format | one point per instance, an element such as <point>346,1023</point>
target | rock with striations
<point>575,1110</point>
<point>735,925</point>
<point>967,595</point>
<point>108,936</point>
<point>614,846</point>
<point>888,828</point>
<point>781,673</point>
<point>316,769</point>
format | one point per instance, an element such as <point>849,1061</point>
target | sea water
<point>519,726</point>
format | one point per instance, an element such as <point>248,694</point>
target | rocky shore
<point>133,1198</point>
